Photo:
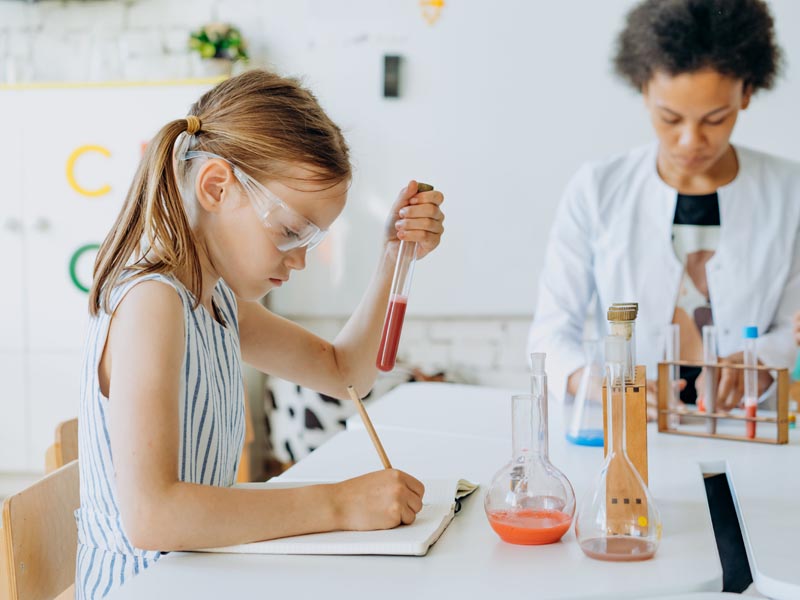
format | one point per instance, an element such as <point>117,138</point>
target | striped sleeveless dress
<point>211,433</point>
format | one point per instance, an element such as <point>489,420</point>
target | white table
<point>765,479</point>
<point>469,560</point>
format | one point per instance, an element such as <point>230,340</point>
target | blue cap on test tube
<point>750,332</point>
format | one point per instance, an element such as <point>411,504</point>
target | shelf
<point>81,85</point>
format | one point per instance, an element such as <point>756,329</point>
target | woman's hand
<point>797,328</point>
<point>731,383</point>
<point>379,500</point>
<point>416,217</point>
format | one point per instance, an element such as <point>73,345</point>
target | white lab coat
<point>612,237</point>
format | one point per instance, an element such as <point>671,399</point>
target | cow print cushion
<point>300,419</point>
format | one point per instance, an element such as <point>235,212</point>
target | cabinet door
<point>54,396</point>
<point>11,224</point>
<point>14,413</point>
<point>73,190</point>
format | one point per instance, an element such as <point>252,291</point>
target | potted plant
<point>218,46</point>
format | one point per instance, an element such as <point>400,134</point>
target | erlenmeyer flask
<point>586,423</point>
<point>619,520</point>
<point>530,501</point>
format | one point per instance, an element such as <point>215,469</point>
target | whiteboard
<point>501,102</point>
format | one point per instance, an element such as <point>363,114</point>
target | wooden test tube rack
<point>781,420</point>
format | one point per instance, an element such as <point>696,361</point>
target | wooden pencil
<point>370,429</point>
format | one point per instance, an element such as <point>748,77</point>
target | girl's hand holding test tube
<point>415,217</point>
<point>417,230</point>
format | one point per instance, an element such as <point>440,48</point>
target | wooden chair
<point>65,447</point>
<point>40,538</point>
<point>245,473</point>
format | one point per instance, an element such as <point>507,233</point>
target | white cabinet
<point>14,420</point>
<point>11,229</point>
<point>52,398</point>
<point>67,159</point>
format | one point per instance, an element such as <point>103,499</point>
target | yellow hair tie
<point>192,124</point>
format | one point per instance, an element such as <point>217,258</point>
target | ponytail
<point>152,233</point>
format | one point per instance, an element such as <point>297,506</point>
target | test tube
<point>710,379</point>
<point>398,299</point>
<point>672,352</point>
<point>622,321</point>
<point>750,378</point>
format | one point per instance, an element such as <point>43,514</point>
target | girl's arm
<point>279,347</point>
<point>140,371</point>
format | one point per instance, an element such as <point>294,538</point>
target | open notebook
<point>438,509</point>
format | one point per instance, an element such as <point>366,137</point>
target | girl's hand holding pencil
<point>380,500</point>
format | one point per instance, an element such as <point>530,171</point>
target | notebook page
<point>414,539</point>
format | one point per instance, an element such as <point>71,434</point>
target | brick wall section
<point>72,40</point>
<point>486,351</point>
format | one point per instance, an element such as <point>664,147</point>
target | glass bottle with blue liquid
<point>585,426</point>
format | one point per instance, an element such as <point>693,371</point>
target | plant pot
<point>213,67</point>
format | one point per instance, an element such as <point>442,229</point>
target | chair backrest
<point>40,536</point>
<point>67,437</point>
<point>65,447</point>
<point>245,473</point>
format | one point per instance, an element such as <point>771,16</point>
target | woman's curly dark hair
<point>733,37</point>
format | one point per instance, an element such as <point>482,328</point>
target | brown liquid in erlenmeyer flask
<point>619,521</point>
<point>622,549</point>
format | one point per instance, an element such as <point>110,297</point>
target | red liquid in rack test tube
<point>751,411</point>
<point>392,328</point>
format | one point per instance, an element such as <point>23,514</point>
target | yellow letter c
<point>71,171</point>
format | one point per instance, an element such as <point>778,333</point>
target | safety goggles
<point>287,228</point>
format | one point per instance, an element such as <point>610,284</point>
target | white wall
<point>500,106</point>
<point>502,101</point>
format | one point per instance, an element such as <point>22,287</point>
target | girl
<point>225,205</point>
<point>694,229</point>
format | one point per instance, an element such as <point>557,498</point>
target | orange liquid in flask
<point>530,527</point>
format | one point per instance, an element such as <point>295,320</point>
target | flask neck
<point>529,425</point>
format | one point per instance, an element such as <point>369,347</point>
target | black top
<point>697,210</point>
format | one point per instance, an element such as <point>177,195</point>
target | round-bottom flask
<point>530,501</point>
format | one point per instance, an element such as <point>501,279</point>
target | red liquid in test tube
<point>750,378</point>
<point>392,327</point>
<point>751,411</point>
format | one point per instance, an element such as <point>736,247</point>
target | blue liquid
<point>587,437</point>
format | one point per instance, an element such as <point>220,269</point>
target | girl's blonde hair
<point>259,121</point>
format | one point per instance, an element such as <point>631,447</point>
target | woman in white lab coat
<point>695,230</point>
